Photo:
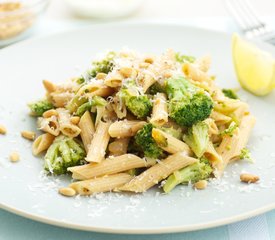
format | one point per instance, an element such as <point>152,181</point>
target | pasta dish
<point>136,120</point>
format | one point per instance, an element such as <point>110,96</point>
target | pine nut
<point>28,135</point>
<point>14,157</point>
<point>3,130</point>
<point>249,178</point>
<point>75,120</point>
<point>149,60</point>
<point>67,191</point>
<point>202,184</point>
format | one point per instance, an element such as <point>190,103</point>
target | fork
<point>250,23</point>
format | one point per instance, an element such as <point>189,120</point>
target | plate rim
<point>121,230</point>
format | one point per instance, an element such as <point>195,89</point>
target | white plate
<point>56,57</point>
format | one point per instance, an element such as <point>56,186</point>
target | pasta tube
<point>158,172</point>
<point>125,128</point>
<point>160,112</point>
<point>110,166</point>
<point>102,184</point>
<point>169,143</point>
<point>99,143</point>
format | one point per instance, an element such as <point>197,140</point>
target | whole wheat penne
<point>191,71</point>
<point>101,184</point>
<point>109,166</point>
<point>42,143</point>
<point>66,127</point>
<point>160,112</point>
<point>169,143</point>
<point>231,146</point>
<point>125,128</point>
<point>119,146</point>
<point>87,128</point>
<point>98,146</point>
<point>50,125</point>
<point>158,172</point>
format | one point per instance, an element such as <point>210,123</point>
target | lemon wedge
<point>255,68</point>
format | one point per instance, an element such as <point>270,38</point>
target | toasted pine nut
<point>202,184</point>
<point>49,86</point>
<point>249,178</point>
<point>3,129</point>
<point>14,157</point>
<point>144,65</point>
<point>149,60</point>
<point>75,120</point>
<point>28,135</point>
<point>101,76</point>
<point>50,113</point>
<point>67,191</point>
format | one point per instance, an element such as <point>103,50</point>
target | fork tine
<point>235,11</point>
<point>254,22</point>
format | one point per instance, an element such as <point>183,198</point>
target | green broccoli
<point>197,138</point>
<point>146,143</point>
<point>136,102</point>
<point>230,130</point>
<point>188,104</point>
<point>230,93</point>
<point>95,101</point>
<point>192,173</point>
<point>103,66</point>
<point>245,154</point>
<point>177,133</point>
<point>155,88</point>
<point>184,58</point>
<point>63,153</point>
<point>39,107</point>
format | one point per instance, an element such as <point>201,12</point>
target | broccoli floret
<point>146,143</point>
<point>188,104</point>
<point>63,153</point>
<point>230,130</point>
<point>177,133</point>
<point>95,101</point>
<point>156,88</point>
<point>230,93</point>
<point>39,107</point>
<point>192,173</point>
<point>245,154</point>
<point>184,58</point>
<point>103,66</point>
<point>136,102</point>
<point>197,138</point>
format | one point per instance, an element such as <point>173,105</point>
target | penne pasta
<point>191,71</point>
<point>49,125</point>
<point>42,143</point>
<point>113,80</point>
<point>119,146</point>
<point>147,82</point>
<point>230,147</point>
<point>214,158</point>
<point>203,63</point>
<point>102,184</point>
<point>109,166</point>
<point>66,127</point>
<point>160,112</point>
<point>158,172</point>
<point>98,146</point>
<point>169,143</point>
<point>125,128</point>
<point>87,128</point>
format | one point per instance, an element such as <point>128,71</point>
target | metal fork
<point>250,23</point>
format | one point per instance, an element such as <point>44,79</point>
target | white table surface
<point>202,13</point>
